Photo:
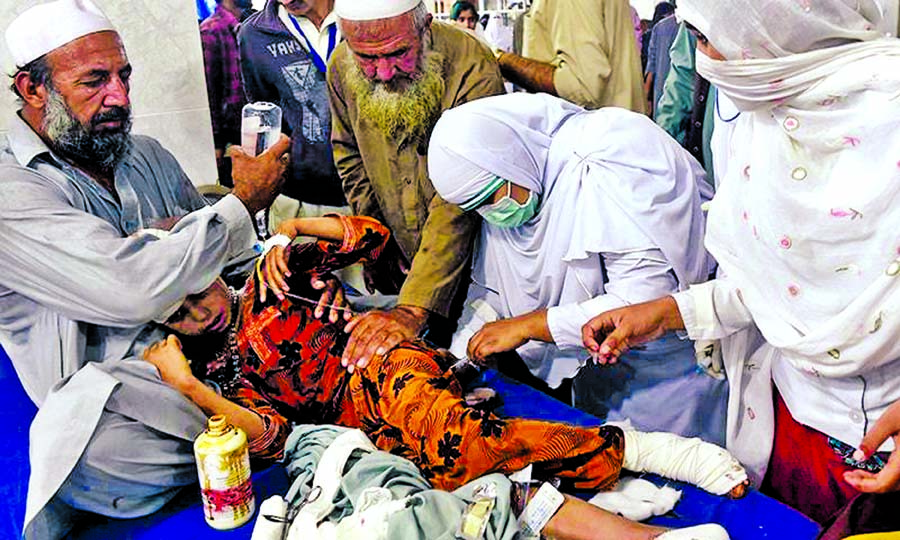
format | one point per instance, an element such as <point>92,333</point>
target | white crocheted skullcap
<point>370,10</point>
<point>49,26</point>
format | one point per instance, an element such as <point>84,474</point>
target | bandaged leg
<point>578,520</point>
<point>689,460</point>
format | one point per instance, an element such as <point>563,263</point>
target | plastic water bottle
<point>260,129</point>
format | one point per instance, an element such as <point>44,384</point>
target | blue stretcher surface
<point>754,517</point>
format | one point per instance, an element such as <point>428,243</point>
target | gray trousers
<point>129,470</point>
<point>139,455</point>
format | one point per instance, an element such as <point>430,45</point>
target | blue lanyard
<point>719,113</point>
<point>313,55</point>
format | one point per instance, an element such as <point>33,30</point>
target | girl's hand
<point>174,368</point>
<point>273,273</point>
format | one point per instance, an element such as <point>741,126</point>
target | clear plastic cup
<point>260,127</point>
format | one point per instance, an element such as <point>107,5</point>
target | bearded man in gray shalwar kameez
<point>79,282</point>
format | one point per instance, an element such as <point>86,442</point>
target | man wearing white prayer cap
<point>34,34</point>
<point>389,81</point>
<point>78,287</point>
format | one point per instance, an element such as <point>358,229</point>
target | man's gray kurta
<point>77,288</point>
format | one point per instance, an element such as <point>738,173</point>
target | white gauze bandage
<point>637,499</point>
<point>688,460</point>
<point>269,529</point>
<point>278,240</point>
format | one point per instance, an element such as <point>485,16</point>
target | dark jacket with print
<point>276,67</point>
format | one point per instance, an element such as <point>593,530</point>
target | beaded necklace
<point>229,356</point>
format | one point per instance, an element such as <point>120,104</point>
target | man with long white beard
<point>78,280</point>
<point>389,82</point>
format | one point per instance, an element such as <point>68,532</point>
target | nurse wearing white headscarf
<point>804,225</point>
<point>584,212</point>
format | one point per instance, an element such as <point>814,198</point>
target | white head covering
<point>608,180</point>
<point>806,218</point>
<point>369,10</point>
<point>46,27</point>
<point>511,143</point>
<point>746,29</point>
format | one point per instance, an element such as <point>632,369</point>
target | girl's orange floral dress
<point>285,365</point>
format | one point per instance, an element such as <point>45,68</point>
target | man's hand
<point>377,332</point>
<point>530,74</point>
<point>888,426</point>
<point>258,180</point>
<point>628,326</point>
<point>174,368</point>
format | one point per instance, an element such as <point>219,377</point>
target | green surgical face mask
<point>507,213</point>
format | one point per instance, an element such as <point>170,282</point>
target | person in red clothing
<point>276,364</point>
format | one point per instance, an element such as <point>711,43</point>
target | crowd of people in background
<point>685,224</point>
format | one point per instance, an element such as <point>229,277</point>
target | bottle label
<point>226,488</point>
<point>225,502</point>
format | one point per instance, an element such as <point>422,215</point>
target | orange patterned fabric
<point>407,401</point>
<point>410,405</point>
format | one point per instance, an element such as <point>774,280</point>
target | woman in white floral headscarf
<point>804,226</point>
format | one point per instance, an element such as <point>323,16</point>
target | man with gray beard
<point>97,149</point>
<point>79,281</point>
<point>389,82</point>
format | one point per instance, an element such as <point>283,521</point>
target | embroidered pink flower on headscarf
<point>846,213</point>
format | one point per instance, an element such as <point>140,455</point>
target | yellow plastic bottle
<point>223,465</point>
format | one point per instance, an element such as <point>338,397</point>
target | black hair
<point>663,10</point>
<point>696,33</point>
<point>39,71</point>
<point>460,6</point>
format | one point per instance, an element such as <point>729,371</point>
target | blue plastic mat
<point>753,517</point>
<point>16,412</point>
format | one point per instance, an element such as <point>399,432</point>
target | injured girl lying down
<point>268,364</point>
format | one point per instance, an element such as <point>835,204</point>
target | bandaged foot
<point>710,531</point>
<point>688,460</point>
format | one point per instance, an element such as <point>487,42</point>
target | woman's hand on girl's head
<point>174,368</point>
